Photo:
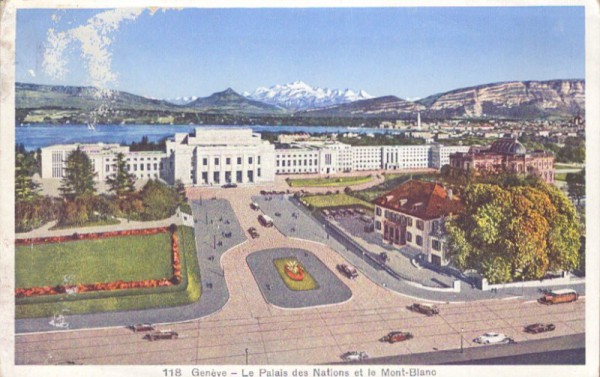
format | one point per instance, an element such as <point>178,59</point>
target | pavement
<point>330,290</point>
<point>249,327</point>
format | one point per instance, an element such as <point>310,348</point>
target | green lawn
<point>187,292</point>
<point>307,284</point>
<point>560,176</point>
<point>335,200</point>
<point>329,182</point>
<point>128,258</point>
<point>391,181</point>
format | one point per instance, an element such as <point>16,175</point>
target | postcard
<point>302,189</point>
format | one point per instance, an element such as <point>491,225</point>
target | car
<point>427,309</point>
<point>396,336</point>
<point>347,270</point>
<point>537,328</point>
<point>229,185</point>
<point>384,257</point>
<point>142,327</point>
<point>162,334</point>
<point>253,232</point>
<point>355,356</point>
<point>493,338</point>
<point>254,206</point>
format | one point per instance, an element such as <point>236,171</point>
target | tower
<point>419,120</point>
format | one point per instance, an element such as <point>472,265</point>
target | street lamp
<point>461,340</point>
<point>246,356</point>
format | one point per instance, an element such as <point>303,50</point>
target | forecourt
<point>247,326</point>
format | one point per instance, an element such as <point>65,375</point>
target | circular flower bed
<point>294,270</point>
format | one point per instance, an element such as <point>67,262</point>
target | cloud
<point>94,39</point>
<point>31,72</point>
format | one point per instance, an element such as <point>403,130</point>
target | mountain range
<point>300,96</point>
<point>506,100</point>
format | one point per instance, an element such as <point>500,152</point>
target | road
<point>316,335</point>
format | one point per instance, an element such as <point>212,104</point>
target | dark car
<point>537,328</point>
<point>349,271</point>
<point>163,334</point>
<point>253,232</point>
<point>142,327</point>
<point>427,309</point>
<point>229,185</point>
<point>396,336</point>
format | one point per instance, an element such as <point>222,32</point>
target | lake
<point>43,135</point>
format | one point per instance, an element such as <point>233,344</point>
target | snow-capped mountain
<point>181,100</point>
<point>301,96</point>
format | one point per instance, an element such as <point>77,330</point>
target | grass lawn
<point>94,261</point>
<point>559,166</point>
<point>329,182</point>
<point>89,224</point>
<point>335,200</point>
<point>560,176</point>
<point>187,292</point>
<point>307,284</point>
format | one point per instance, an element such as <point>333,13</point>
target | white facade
<point>406,157</point>
<point>217,156</point>
<point>366,158</point>
<point>144,164</point>
<point>440,154</point>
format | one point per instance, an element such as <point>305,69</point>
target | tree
<point>26,189</point>
<point>576,185</point>
<point>514,233</point>
<point>122,183</point>
<point>79,176</point>
<point>160,201</point>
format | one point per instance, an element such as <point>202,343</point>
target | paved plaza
<point>314,335</point>
<point>330,289</point>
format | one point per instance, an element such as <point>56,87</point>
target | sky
<point>407,52</point>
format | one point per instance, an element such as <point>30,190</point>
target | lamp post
<point>246,356</point>
<point>461,340</point>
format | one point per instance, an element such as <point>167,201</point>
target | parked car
<point>493,338</point>
<point>162,334</point>
<point>355,356</point>
<point>229,185</point>
<point>265,221</point>
<point>347,270</point>
<point>396,336</point>
<point>559,296</point>
<point>427,309</point>
<point>537,328</point>
<point>142,327</point>
<point>253,232</point>
<point>254,206</point>
<point>384,257</point>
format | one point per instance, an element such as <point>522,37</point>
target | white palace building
<point>210,157</point>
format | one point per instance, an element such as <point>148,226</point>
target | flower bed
<point>299,280</point>
<point>175,279</point>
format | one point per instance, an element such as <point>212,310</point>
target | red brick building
<point>413,215</point>
<point>506,154</point>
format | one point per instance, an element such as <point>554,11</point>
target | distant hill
<point>515,99</point>
<point>230,102</point>
<point>34,96</point>
<point>383,107</point>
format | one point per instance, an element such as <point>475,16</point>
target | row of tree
<point>79,202</point>
<point>516,232</point>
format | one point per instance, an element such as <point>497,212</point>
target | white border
<point>7,132</point>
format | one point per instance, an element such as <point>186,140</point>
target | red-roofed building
<point>413,215</point>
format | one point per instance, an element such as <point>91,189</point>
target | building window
<point>205,177</point>
<point>228,161</point>
<point>419,240</point>
<point>141,166</point>
<point>216,161</point>
<point>205,161</point>
<point>107,168</point>
<point>436,245</point>
<point>378,225</point>
<point>258,172</point>
<point>408,237</point>
<point>258,160</point>
<point>155,166</point>
<point>420,225</point>
<point>250,160</point>
<point>277,163</point>
<point>239,160</point>
<point>409,221</point>
<point>216,177</point>
<point>149,167</point>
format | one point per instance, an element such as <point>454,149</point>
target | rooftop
<point>425,200</point>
